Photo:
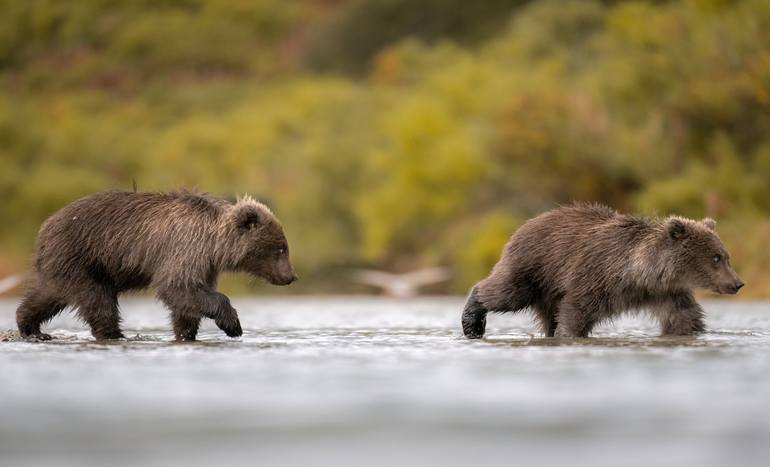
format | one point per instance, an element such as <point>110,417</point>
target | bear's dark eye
<point>716,259</point>
<point>281,251</point>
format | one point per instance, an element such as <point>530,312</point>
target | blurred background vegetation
<point>393,134</point>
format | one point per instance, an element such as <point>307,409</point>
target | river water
<point>373,382</point>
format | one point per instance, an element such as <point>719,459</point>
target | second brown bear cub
<point>576,266</point>
<point>104,244</point>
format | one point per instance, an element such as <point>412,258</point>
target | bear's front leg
<point>185,325</point>
<point>189,305</point>
<point>224,315</point>
<point>680,315</point>
<point>185,310</point>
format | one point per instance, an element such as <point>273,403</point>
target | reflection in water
<point>369,381</point>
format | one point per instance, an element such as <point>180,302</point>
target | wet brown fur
<point>107,243</point>
<point>578,265</point>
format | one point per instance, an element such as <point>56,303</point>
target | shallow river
<point>370,382</point>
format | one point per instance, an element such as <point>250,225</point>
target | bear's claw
<point>230,327</point>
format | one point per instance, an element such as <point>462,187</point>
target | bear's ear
<point>676,228</point>
<point>246,217</point>
<point>710,223</point>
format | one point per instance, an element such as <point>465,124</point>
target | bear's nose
<point>739,284</point>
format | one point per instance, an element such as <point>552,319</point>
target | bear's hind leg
<point>36,309</point>
<point>546,316</point>
<point>474,319</point>
<point>497,294</point>
<point>98,306</point>
<point>574,320</point>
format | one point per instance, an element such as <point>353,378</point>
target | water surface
<point>369,381</point>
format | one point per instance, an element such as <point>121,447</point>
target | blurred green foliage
<point>393,134</point>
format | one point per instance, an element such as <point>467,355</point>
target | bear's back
<point>557,242</point>
<point>563,226</point>
<point>119,230</point>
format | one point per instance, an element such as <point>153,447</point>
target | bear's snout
<point>727,281</point>
<point>292,279</point>
<point>731,289</point>
<point>281,280</point>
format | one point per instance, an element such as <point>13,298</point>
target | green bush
<point>458,122</point>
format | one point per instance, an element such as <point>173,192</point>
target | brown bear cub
<point>107,243</point>
<point>579,265</point>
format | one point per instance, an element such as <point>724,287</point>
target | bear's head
<point>261,246</point>
<point>701,259</point>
